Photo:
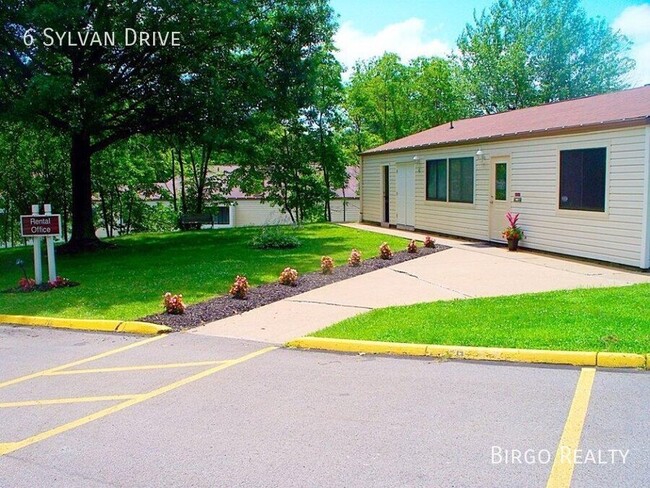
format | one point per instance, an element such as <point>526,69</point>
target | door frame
<point>410,201</point>
<point>504,206</point>
<point>385,194</point>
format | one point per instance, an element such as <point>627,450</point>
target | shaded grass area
<point>595,319</point>
<point>128,282</point>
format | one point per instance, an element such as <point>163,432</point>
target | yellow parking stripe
<point>135,368</point>
<point>562,470</point>
<point>63,401</point>
<point>9,447</point>
<point>81,361</point>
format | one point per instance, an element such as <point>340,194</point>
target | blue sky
<point>421,27</point>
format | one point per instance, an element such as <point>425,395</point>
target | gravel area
<point>224,306</point>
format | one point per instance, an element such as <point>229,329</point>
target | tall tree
<point>520,53</point>
<point>103,92</point>
<point>387,99</point>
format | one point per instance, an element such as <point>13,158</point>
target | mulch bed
<point>225,306</point>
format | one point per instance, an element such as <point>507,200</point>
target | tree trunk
<point>83,231</point>
<point>174,182</point>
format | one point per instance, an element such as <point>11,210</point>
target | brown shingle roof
<point>622,107</point>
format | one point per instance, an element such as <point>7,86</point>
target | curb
<point>573,358</point>
<point>127,327</point>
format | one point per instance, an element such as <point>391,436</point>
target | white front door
<point>499,196</point>
<point>405,195</point>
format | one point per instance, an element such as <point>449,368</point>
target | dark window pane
<point>501,181</point>
<point>223,215</point>
<point>582,179</point>
<point>437,179</point>
<point>461,180</point>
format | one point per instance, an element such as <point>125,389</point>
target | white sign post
<point>38,226</point>
<point>38,262</point>
<point>49,244</point>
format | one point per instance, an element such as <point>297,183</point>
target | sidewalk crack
<point>437,285</point>
<point>329,303</point>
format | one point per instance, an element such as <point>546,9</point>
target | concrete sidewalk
<point>467,270</point>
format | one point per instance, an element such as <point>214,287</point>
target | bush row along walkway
<point>467,270</point>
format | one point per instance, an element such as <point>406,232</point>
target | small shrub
<point>412,247</point>
<point>428,242</point>
<point>385,252</point>
<point>173,304</point>
<point>274,237</point>
<point>355,258</point>
<point>60,282</point>
<point>240,287</point>
<point>288,277</point>
<point>27,284</point>
<point>326,264</point>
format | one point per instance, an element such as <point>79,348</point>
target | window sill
<point>582,214</point>
<point>439,203</point>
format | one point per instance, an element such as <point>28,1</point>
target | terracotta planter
<point>513,244</point>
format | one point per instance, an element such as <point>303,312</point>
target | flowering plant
<point>355,258</point>
<point>412,247</point>
<point>428,242</point>
<point>173,304</point>
<point>326,264</point>
<point>27,284</point>
<point>513,231</point>
<point>60,282</point>
<point>385,252</point>
<point>288,277</point>
<point>240,287</point>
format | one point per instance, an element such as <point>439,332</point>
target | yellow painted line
<point>9,447</point>
<point>98,325</point>
<point>64,401</point>
<point>562,470</point>
<point>621,360</point>
<point>81,361</point>
<point>134,368</point>
<point>576,358</point>
<point>368,347</point>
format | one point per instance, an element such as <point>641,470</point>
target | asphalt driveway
<point>93,410</point>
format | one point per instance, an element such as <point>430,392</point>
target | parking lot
<point>84,409</point>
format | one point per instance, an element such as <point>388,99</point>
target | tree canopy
<point>520,53</point>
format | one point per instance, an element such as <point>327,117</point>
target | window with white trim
<point>450,180</point>
<point>583,176</point>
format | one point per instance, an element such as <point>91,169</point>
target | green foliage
<point>235,60</point>
<point>578,320</point>
<point>275,237</point>
<point>387,99</point>
<point>33,170</point>
<point>520,53</point>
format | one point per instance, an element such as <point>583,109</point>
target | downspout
<point>360,188</point>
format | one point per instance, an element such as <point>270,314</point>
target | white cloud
<point>634,22</point>
<point>405,38</point>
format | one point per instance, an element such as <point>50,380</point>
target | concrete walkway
<point>467,270</point>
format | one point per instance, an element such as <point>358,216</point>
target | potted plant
<point>513,233</point>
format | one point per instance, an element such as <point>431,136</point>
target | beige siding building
<point>577,171</point>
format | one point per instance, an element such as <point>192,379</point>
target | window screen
<point>582,179</point>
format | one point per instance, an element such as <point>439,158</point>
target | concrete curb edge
<point>574,358</point>
<point>127,327</point>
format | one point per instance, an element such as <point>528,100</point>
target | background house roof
<point>350,190</point>
<point>596,111</point>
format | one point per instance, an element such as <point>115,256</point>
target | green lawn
<point>604,319</point>
<point>128,282</point>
